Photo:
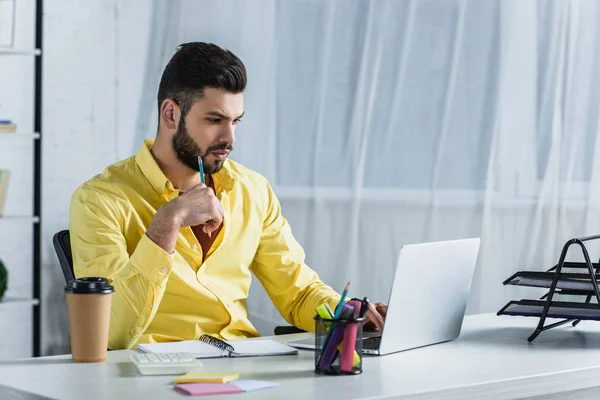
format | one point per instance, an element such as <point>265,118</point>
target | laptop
<point>428,298</point>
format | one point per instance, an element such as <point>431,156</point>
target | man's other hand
<point>375,316</point>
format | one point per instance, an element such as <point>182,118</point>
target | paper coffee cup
<point>88,304</point>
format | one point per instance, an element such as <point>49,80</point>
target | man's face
<point>208,130</point>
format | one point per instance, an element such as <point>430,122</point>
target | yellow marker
<point>324,313</point>
<point>205,376</point>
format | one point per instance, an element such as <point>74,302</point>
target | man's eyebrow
<point>217,114</point>
<point>221,115</point>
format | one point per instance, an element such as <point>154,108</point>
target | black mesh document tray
<point>576,266</point>
<point>581,279</point>
<point>558,309</point>
<point>566,281</point>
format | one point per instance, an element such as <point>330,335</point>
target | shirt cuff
<point>334,303</point>
<point>151,260</point>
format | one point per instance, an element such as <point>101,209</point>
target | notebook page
<point>260,347</point>
<point>195,347</point>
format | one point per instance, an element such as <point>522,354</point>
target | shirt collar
<point>145,160</point>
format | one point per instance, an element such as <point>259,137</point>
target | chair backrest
<point>62,245</point>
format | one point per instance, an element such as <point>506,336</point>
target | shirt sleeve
<point>100,249</point>
<point>293,287</point>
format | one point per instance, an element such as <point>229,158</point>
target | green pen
<point>201,169</point>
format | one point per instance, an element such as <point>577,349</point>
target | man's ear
<point>169,115</point>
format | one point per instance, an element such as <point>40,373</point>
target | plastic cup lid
<point>89,286</point>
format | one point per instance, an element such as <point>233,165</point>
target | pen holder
<point>338,344</point>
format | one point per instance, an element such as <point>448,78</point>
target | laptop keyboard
<point>371,343</point>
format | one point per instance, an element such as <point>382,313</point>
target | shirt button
<point>151,305</point>
<point>163,270</point>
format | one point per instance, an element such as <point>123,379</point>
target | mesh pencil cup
<point>338,352</point>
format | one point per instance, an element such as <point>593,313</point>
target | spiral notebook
<point>211,347</point>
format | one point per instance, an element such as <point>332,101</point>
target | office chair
<point>62,245</point>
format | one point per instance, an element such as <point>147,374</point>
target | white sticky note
<point>250,385</point>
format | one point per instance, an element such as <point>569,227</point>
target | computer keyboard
<point>371,343</point>
<point>165,363</point>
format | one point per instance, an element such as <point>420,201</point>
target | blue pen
<point>201,169</point>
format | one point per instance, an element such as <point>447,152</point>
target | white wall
<point>94,59</point>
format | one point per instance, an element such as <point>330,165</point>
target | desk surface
<point>491,357</point>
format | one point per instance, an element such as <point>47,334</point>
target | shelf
<point>16,301</point>
<point>29,218</point>
<point>567,281</point>
<point>19,136</point>
<point>19,52</point>
<point>28,136</point>
<point>558,309</point>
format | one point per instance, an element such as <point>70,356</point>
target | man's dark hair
<point>196,66</point>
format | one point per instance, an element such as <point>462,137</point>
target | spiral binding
<point>218,343</point>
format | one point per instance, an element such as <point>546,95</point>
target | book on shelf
<point>4,178</point>
<point>6,125</point>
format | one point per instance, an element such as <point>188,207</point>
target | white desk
<point>490,360</point>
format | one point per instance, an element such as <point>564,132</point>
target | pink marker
<point>349,343</point>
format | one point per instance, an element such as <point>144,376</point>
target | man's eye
<point>237,121</point>
<point>214,120</point>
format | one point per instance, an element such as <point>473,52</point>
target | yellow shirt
<point>164,297</point>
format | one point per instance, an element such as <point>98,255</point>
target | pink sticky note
<point>205,389</point>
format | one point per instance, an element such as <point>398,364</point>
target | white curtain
<point>387,122</point>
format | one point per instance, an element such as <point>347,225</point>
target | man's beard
<point>187,151</point>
